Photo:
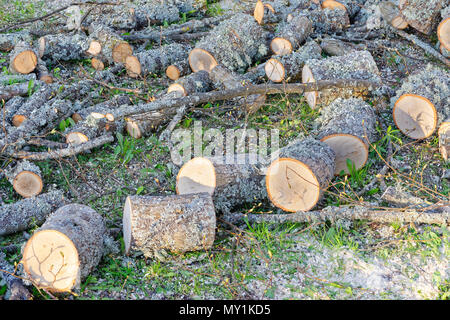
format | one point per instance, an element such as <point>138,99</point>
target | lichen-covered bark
<point>335,47</point>
<point>20,47</point>
<point>237,42</point>
<point>10,108</point>
<point>296,30</point>
<point>155,12</point>
<point>26,213</point>
<point>14,169</point>
<point>195,82</point>
<point>14,284</point>
<point>178,223</point>
<point>328,20</point>
<point>9,40</point>
<point>182,66</point>
<point>85,228</point>
<point>103,107</point>
<point>63,47</point>
<point>352,6</point>
<point>17,89</point>
<point>422,15</point>
<point>119,17</point>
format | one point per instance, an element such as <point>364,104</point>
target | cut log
<point>97,64</point>
<point>95,125</point>
<point>193,83</point>
<point>232,181</point>
<point>116,16</point>
<point>351,6</point>
<point>422,102</point>
<point>297,180</point>
<point>142,126</point>
<point>22,59</point>
<point>391,13</point>
<point>178,69</point>
<point>9,40</point>
<point>103,40</point>
<point>67,247</point>
<point>14,90</point>
<point>155,60</point>
<point>26,178</point>
<point>42,72</point>
<point>443,33</point>
<point>328,20</point>
<point>236,43</point>
<point>347,126</point>
<point>444,139</point>
<point>289,67</point>
<point>335,47</point>
<point>357,65</point>
<point>291,35</point>
<point>178,223</point>
<point>14,284</point>
<point>421,15</point>
<point>62,47</point>
<point>155,12</point>
<point>10,108</point>
<point>26,213</point>
<point>103,108</point>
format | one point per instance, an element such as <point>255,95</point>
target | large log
<point>62,47</point>
<point>22,58</point>
<point>67,247</point>
<point>178,223</point>
<point>291,35</point>
<point>236,43</point>
<point>422,102</point>
<point>348,126</point>
<point>231,182</point>
<point>24,214</point>
<point>118,16</point>
<point>25,177</point>
<point>297,180</point>
<point>422,15</point>
<point>357,65</point>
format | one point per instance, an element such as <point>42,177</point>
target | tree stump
<point>190,84</point>
<point>297,180</point>
<point>289,67</point>
<point>357,65</point>
<point>104,41</point>
<point>291,35</point>
<point>22,59</point>
<point>26,178</point>
<point>444,139</point>
<point>422,15</point>
<point>67,247</point>
<point>347,126</point>
<point>62,47</point>
<point>178,223</point>
<point>422,102</point>
<point>231,182</point>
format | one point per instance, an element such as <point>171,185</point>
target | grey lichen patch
<point>63,47</point>
<point>421,14</point>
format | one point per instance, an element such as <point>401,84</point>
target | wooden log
<point>95,125</point>
<point>297,180</point>
<point>28,212</point>
<point>62,47</point>
<point>42,72</point>
<point>236,43</point>
<point>98,64</point>
<point>9,40</point>
<point>67,247</point>
<point>117,16</point>
<point>391,13</point>
<point>348,126</point>
<point>178,69</point>
<point>421,15</point>
<point>103,40</point>
<point>443,33</point>
<point>25,177</point>
<point>335,47</point>
<point>155,12</point>
<point>351,6</point>
<point>178,223</point>
<point>354,65</point>
<point>289,67</point>
<point>17,89</point>
<point>193,83</point>
<point>328,20</point>
<point>400,198</point>
<point>15,285</point>
<point>422,102</point>
<point>22,59</point>
<point>444,139</point>
<point>155,60</point>
<point>232,181</point>
<point>291,35</point>
<point>10,108</point>
<point>265,13</point>
<point>102,109</point>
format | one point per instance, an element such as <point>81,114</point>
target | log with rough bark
<point>190,84</point>
<point>117,16</point>
<point>422,15</point>
<point>265,13</point>
<point>155,60</point>
<point>26,213</point>
<point>18,89</point>
<point>232,181</point>
<point>391,13</point>
<point>178,69</point>
<point>22,59</point>
<point>62,47</point>
<point>335,47</point>
<point>328,20</point>
<point>108,45</point>
<point>95,125</point>
<point>348,126</point>
<point>289,67</point>
<point>42,72</point>
<point>443,33</point>
<point>15,284</point>
<point>10,108</point>
<point>444,139</point>
<point>422,102</point>
<point>178,223</point>
<point>65,249</point>
<point>291,35</point>
<point>236,43</point>
<point>351,6</point>
<point>102,109</point>
<point>400,198</point>
<point>358,65</point>
<point>9,40</point>
<point>297,180</point>
<point>25,177</point>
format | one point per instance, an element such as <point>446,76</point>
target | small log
<point>401,198</point>
<point>444,139</point>
<point>391,13</point>
<point>42,72</point>
<point>102,109</point>
<point>155,60</point>
<point>10,108</point>
<point>14,90</point>
<point>22,59</point>
<point>297,180</point>
<point>256,74</point>
<point>347,126</point>
<point>422,102</point>
<point>178,223</point>
<point>62,47</point>
<point>354,65</point>
<point>26,178</point>
<point>97,64</point>
<point>421,15</point>
<point>291,35</point>
<point>9,40</point>
<point>14,284</point>
<point>236,43</point>
<point>178,69</point>
<point>328,20</point>
<point>95,125</point>
<point>264,13</point>
<point>28,212</point>
<point>335,47</point>
<point>104,41</point>
<point>193,83</point>
<point>231,182</point>
<point>351,6</point>
<point>289,67</point>
<point>443,33</point>
<point>67,247</point>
